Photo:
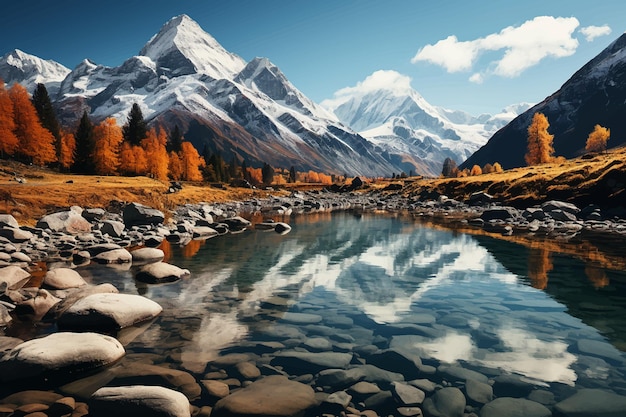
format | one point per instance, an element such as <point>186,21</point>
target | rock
<point>65,222</point>
<point>379,376</point>
<point>36,305</point>
<point>20,257</point>
<point>511,386</point>
<point>310,362</point>
<point>108,311</point>
<point>62,407</point>
<point>592,402</point>
<point>301,318</point>
<point>31,397</point>
<point>499,213</point>
<point>93,214</point>
<point>137,373</point>
<point>147,256</point>
<point>73,295</point>
<point>338,400</point>
<point>160,272</point>
<point>203,232</point>
<point>271,396</point>
<point>339,378</point>
<point>247,370</point>
<point>396,360</point>
<point>282,228</point>
<point>59,355</point>
<point>16,235</point>
<point>479,198</point>
<point>135,214</point>
<point>8,220</point>
<point>236,223</point>
<point>553,205</point>
<point>115,256</point>
<point>478,393</point>
<point>5,320</point>
<point>363,389</point>
<point>112,228</point>
<point>457,373</point>
<point>600,349</point>
<point>514,407</point>
<point>63,278</point>
<point>447,402</point>
<point>216,389</point>
<point>138,400</point>
<point>12,278</point>
<point>407,394</point>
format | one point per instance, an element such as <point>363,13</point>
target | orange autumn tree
<point>175,166</point>
<point>8,140</point>
<point>596,141</point>
<point>36,143</point>
<point>476,171</point>
<point>67,151</point>
<point>107,140</point>
<point>191,162</point>
<point>540,150</point>
<point>156,154</point>
<point>133,160</point>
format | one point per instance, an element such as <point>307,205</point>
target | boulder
<point>310,362</point>
<point>499,213</point>
<point>513,407</point>
<point>62,279</point>
<point>16,235</point>
<point>108,311</point>
<point>203,232</point>
<point>70,221</point>
<point>160,272</point>
<point>138,400</point>
<point>147,256</point>
<point>592,402</point>
<point>115,256</point>
<point>93,214</point>
<point>113,228</point>
<point>74,294</point>
<point>407,394</point>
<point>282,228</point>
<point>59,355</point>
<point>35,304</point>
<point>5,320</point>
<point>395,360</point>
<point>8,220</point>
<point>553,205</point>
<point>447,402</point>
<point>137,373</point>
<point>135,214</point>
<point>12,278</point>
<point>236,223</point>
<point>271,396</point>
<point>478,392</point>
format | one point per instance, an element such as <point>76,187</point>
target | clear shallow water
<point>384,281</point>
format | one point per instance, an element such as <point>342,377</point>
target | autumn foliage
<point>107,138</point>
<point>157,159</point>
<point>540,149</point>
<point>596,141</point>
<point>8,140</point>
<point>68,150</point>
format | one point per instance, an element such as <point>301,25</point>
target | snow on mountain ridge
<point>18,66</point>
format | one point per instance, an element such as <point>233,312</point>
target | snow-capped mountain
<point>20,67</point>
<point>410,132</point>
<point>595,94</point>
<point>246,111</point>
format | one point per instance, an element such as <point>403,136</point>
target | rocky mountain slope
<point>595,94</point>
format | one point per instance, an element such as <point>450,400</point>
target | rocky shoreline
<point>332,374</point>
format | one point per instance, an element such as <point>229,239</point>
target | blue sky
<point>471,55</point>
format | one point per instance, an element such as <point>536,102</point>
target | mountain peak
<point>182,47</point>
<point>29,70</point>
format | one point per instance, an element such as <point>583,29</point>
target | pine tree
<point>36,143</point>
<point>267,173</point>
<point>8,140</point>
<point>175,140</point>
<point>292,174</point>
<point>135,128</point>
<point>540,150</point>
<point>45,111</point>
<point>83,163</point>
<point>244,171</point>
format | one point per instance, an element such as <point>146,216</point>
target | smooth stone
<point>600,349</point>
<point>592,402</point>
<point>203,232</point>
<point>271,396</point>
<point>339,398</point>
<point>63,278</point>
<point>216,389</point>
<point>378,376</point>
<point>511,386</point>
<point>135,214</point>
<point>478,392</point>
<point>31,397</point>
<point>247,370</point>
<point>8,220</point>
<point>16,235</point>
<point>138,373</point>
<point>317,344</point>
<point>425,385</point>
<point>363,389</point>
<point>109,311</point>
<point>37,305</point>
<point>59,354</point>
<point>339,378</point>
<point>312,362</point>
<point>12,278</point>
<point>20,257</point>
<point>138,400</point>
<point>160,272</point>
<point>514,407</point>
<point>542,397</point>
<point>447,402</point>
<point>301,318</point>
<point>456,373</point>
<point>115,256</point>
<point>72,295</point>
<point>407,394</point>
<point>236,223</point>
<point>70,221</point>
<point>396,360</point>
<point>147,255</point>
<point>282,228</point>
<point>113,228</point>
<point>381,400</point>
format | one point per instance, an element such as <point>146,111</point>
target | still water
<point>483,304</point>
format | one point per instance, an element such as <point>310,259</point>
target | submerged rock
<point>138,400</point>
<point>160,272</point>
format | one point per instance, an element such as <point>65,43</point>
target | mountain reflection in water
<point>450,296</point>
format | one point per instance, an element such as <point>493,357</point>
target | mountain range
<point>595,94</point>
<point>250,111</point>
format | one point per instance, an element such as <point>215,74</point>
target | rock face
<point>135,214</point>
<point>138,400</point>
<point>271,396</point>
<point>108,311</point>
<point>59,355</point>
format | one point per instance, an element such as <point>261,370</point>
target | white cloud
<point>524,46</point>
<point>477,78</point>
<point>379,80</point>
<point>592,32</point>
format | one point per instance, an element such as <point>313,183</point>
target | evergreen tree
<point>85,145</point>
<point>47,117</point>
<point>135,128</point>
<point>267,173</point>
<point>292,174</point>
<point>232,169</point>
<point>244,171</point>
<point>175,140</point>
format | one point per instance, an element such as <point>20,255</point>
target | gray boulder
<point>8,220</point>
<point>113,228</point>
<point>592,402</point>
<point>137,373</point>
<point>59,355</point>
<point>70,221</point>
<point>115,256</point>
<point>160,272</point>
<point>108,311</point>
<point>513,407</point>
<point>62,279</point>
<point>282,228</point>
<point>143,256</point>
<point>135,214</point>
<point>138,400</point>
<point>16,235</point>
<point>12,278</point>
<point>312,362</point>
<point>236,223</point>
<point>447,402</point>
<point>271,396</point>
